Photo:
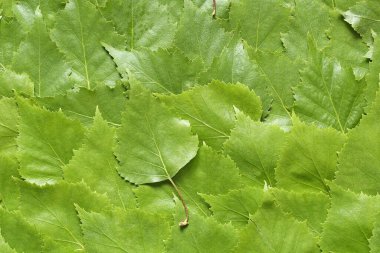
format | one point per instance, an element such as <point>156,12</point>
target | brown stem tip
<point>213,8</point>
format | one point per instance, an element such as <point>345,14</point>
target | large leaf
<point>255,147</point>
<point>78,33</point>
<point>206,38</point>
<point>123,231</point>
<point>145,23</point>
<point>359,164</point>
<point>153,144</point>
<point>51,210</point>
<point>308,160</point>
<point>272,231</point>
<point>350,222</point>
<point>39,57</point>
<point>46,143</point>
<point>211,109</point>
<point>329,93</point>
<point>261,22</point>
<point>95,164</point>
<point>373,76</point>
<point>161,71</point>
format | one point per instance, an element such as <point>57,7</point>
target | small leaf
<point>153,144</point>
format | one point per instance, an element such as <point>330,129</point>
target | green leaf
<point>207,39</point>
<point>235,206</point>
<point>350,222</point>
<point>46,143</point>
<point>11,35</point>
<point>329,93</point>
<point>9,118</point>
<point>153,144</point>
<point>374,241</point>
<point>279,81</point>
<point>272,231</point>
<point>123,231</point>
<point>51,210</point>
<point>160,71</point>
<point>81,104</point>
<point>213,173</point>
<point>4,247</point>
<point>304,25</point>
<point>308,160</point>
<point>11,82</point>
<point>9,190</point>
<point>145,23</point>
<point>364,18</point>
<point>78,33</point>
<point>358,165</point>
<point>373,76</point>
<point>211,109</point>
<point>39,57</point>
<point>202,235</point>
<point>18,233</point>
<point>255,147</point>
<point>260,22</point>
<point>304,206</point>
<point>95,164</point>
<point>233,65</point>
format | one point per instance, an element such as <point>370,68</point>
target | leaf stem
<point>185,222</point>
<point>213,8</point>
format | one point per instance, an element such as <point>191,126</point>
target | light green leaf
<point>145,23</point>
<point>364,18</point>
<point>123,231</point>
<point>279,81</point>
<point>9,118</point>
<point>304,206</point>
<point>272,231</point>
<point>358,165</point>
<point>81,104</point>
<point>11,82</point>
<point>374,241</point>
<point>4,247</point>
<point>9,190</point>
<point>255,147</point>
<point>51,210</point>
<point>199,36</point>
<point>329,93</point>
<point>211,109</point>
<point>39,57</point>
<point>18,233</point>
<point>235,206</point>
<point>261,22</point>
<point>346,45</point>
<point>160,71</point>
<point>78,33</point>
<point>153,144</point>
<point>303,25</point>
<point>373,76</point>
<point>203,235</point>
<point>233,65</point>
<point>213,173</point>
<point>46,143</point>
<point>95,164</point>
<point>308,160</point>
<point>11,34</point>
<point>350,222</point>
